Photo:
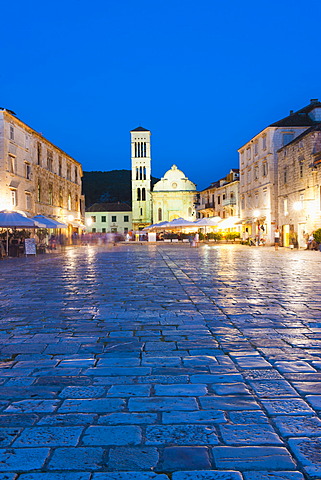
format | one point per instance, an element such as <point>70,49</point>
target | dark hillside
<point>113,186</point>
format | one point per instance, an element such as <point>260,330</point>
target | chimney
<point>291,112</point>
<point>314,100</point>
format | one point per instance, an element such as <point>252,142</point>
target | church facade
<point>172,197</point>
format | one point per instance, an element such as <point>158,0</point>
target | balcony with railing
<point>204,206</point>
<point>229,201</point>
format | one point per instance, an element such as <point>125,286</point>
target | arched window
<point>69,201</point>
<point>143,194</point>
<point>137,173</point>
<point>144,173</point>
<point>140,173</point>
<point>138,194</point>
<point>159,214</point>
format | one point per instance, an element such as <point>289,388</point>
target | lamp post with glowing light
<point>89,221</point>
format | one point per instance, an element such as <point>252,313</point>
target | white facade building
<point>174,196</point>
<point>141,178</point>
<point>221,198</point>
<point>109,218</point>
<point>36,176</point>
<point>259,171</point>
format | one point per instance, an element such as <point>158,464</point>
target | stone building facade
<point>221,198</point>
<point>299,187</point>
<point>141,177</point>
<point>109,218</point>
<point>174,196</point>
<point>37,177</point>
<point>258,161</point>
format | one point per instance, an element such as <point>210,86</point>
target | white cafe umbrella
<point>208,221</point>
<point>179,223</point>
<point>155,225</point>
<point>49,222</point>
<point>16,220</point>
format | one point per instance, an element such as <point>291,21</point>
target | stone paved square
<point>160,361</point>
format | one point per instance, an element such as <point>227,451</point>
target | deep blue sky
<point>203,76</point>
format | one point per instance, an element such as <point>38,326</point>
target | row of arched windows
<point>141,194</point>
<point>140,173</point>
<point>140,149</point>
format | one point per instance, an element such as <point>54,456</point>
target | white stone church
<point>172,197</point>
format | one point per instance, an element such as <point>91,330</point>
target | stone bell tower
<point>141,178</point>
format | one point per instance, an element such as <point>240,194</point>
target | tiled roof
<point>300,118</point>
<point>140,129</point>
<point>109,207</point>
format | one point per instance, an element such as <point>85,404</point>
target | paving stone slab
<point>291,426</point>
<point>63,380</point>
<point>142,404</point>
<point>55,476</point>
<point>291,406</point>
<point>83,392</point>
<point>133,458</point>
<point>129,476</point>
<point>314,401</point>
<point>199,416</point>
<point>194,390</point>
<point>307,387</point>
<point>181,435</point>
<point>117,371</point>
<point>269,475</point>
<point>80,458</point>
<point>297,366</point>
<point>164,379</point>
<point>230,389</point>
<point>185,458</point>
<point>8,476</point>
<point>8,435</point>
<point>22,459</point>
<point>29,406</point>
<point>207,475</point>
<point>249,435</point>
<point>163,361</point>
<point>217,378</point>
<point>68,419</point>
<point>112,435</point>
<point>229,403</point>
<point>252,458</point>
<point>277,388</point>
<point>308,452</point>
<point>263,374</point>
<point>129,391</point>
<point>247,417</point>
<point>93,405</point>
<point>18,420</point>
<point>49,436</point>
